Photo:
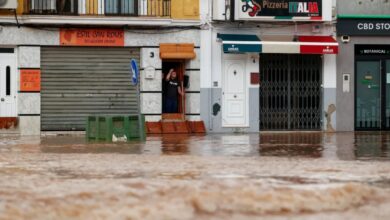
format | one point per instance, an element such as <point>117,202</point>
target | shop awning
<point>300,44</point>
<point>279,44</point>
<point>177,51</point>
<point>240,43</point>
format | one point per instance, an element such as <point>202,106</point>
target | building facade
<point>63,60</point>
<point>363,65</point>
<point>269,65</point>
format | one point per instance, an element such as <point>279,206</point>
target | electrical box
<point>346,82</point>
<point>8,4</point>
<point>150,72</point>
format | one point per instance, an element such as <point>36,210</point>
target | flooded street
<point>272,176</point>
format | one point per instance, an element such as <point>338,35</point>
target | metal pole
<point>140,130</point>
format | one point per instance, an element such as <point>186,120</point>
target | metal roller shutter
<point>82,81</point>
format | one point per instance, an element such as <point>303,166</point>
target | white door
<point>8,84</point>
<point>234,94</point>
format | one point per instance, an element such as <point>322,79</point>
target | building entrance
<point>372,83</point>
<point>290,92</point>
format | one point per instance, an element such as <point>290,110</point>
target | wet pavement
<point>273,176</point>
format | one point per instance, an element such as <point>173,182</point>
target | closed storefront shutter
<point>82,81</point>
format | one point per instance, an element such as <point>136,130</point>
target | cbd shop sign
<point>278,9</point>
<point>363,27</point>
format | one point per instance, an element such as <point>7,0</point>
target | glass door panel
<point>368,95</point>
<point>387,95</point>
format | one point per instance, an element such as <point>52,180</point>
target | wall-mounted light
<point>254,57</point>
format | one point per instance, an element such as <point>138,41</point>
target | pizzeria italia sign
<point>279,9</point>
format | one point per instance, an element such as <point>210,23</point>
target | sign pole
<point>141,131</point>
<point>136,79</point>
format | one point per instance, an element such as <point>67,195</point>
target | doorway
<point>8,83</point>
<point>235,106</point>
<point>290,92</point>
<point>372,99</point>
<point>179,67</point>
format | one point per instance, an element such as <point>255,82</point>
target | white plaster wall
<point>151,103</point>
<point>216,62</point>
<point>152,118</point>
<point>151,84</point>
<point>194,80</point>
<point>29,57</point>
<point>206,60</point>
<point>142,38</point>
<point>29,36</point>
<point>252,65</point>
<point>194,63</point>
<point>29,103</point>
<point>193,103</point>
<point>30,125</point>
<point>148,61</point>
<point>329,71</point>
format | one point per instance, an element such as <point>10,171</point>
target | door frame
<point>383,95</point>
<point>14,76</point>
<point>180,75</point>
<point>236,57</point>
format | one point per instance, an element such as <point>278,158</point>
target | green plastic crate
<point>92,128</point>
<point>120,126</point>
<point>134,126</point>
<point>102,128</point>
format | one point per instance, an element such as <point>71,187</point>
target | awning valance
<point>240,43</point>
<point>278,44</point>
<point>177,51</point>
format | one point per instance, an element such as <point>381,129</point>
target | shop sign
<point>256,9</point>
<point>363,27</point>
<point>242,48</point>
<point>318,49</point>
<point>30,80</point>
<point>372,50</point>
<point>92,37</point>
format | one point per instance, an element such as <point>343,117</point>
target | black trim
<point>156,69</point>
<point>29,115</point>
<point>189,92</point>
<point>192,69</point>
<point>7,50</point>
<point>28,45</point>
<point>29,92</point>
<point>29,68</point>
<point>196,47</point>
<point>33,45</point>
<point>155,114</point>
<point>150,91</point>
<point>151,47</point>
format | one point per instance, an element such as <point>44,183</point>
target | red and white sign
<point>92,37</point>
<point>318,45</point>
<point>30,80</point>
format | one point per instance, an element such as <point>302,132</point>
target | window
<point>8,81</point>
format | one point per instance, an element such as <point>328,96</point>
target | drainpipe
<point>211,95</point>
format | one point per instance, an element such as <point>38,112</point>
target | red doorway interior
<point>179,67</point>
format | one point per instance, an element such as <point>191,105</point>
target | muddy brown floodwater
<point>267,176</point>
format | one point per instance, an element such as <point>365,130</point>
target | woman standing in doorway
<point>172,92</point>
